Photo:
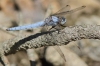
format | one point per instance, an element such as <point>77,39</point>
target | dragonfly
<point>54,20</point>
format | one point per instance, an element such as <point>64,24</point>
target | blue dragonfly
<point>55,20</point>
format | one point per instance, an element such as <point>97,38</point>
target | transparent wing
<point>66,8</point>
<point>69,12</point>
<point>60,52</point>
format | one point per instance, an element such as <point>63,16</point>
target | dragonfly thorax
<point>51,21</point>
<point>60,20</point>
<point>54,20</point>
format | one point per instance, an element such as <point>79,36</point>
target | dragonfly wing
<point>69,12</point>
<point>66,8</point>
<point>60,52</point>
<point>30,26</point>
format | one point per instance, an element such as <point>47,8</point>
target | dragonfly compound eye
<point>63,20</point>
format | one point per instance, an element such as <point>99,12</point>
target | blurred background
<point>21,12</point>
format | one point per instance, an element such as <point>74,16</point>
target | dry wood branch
<point>51,38</point>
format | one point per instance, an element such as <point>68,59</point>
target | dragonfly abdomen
<point>30,26</point>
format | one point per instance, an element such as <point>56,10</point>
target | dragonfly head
<point>63,20</point>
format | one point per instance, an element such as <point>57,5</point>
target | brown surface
<point>35,11</point>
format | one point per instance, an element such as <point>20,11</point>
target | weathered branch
<point>51,38</point>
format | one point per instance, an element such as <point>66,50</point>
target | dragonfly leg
<point>55,28</point>
<point>63,25</point>
<point>58,30</point>
<point>52,28</point>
